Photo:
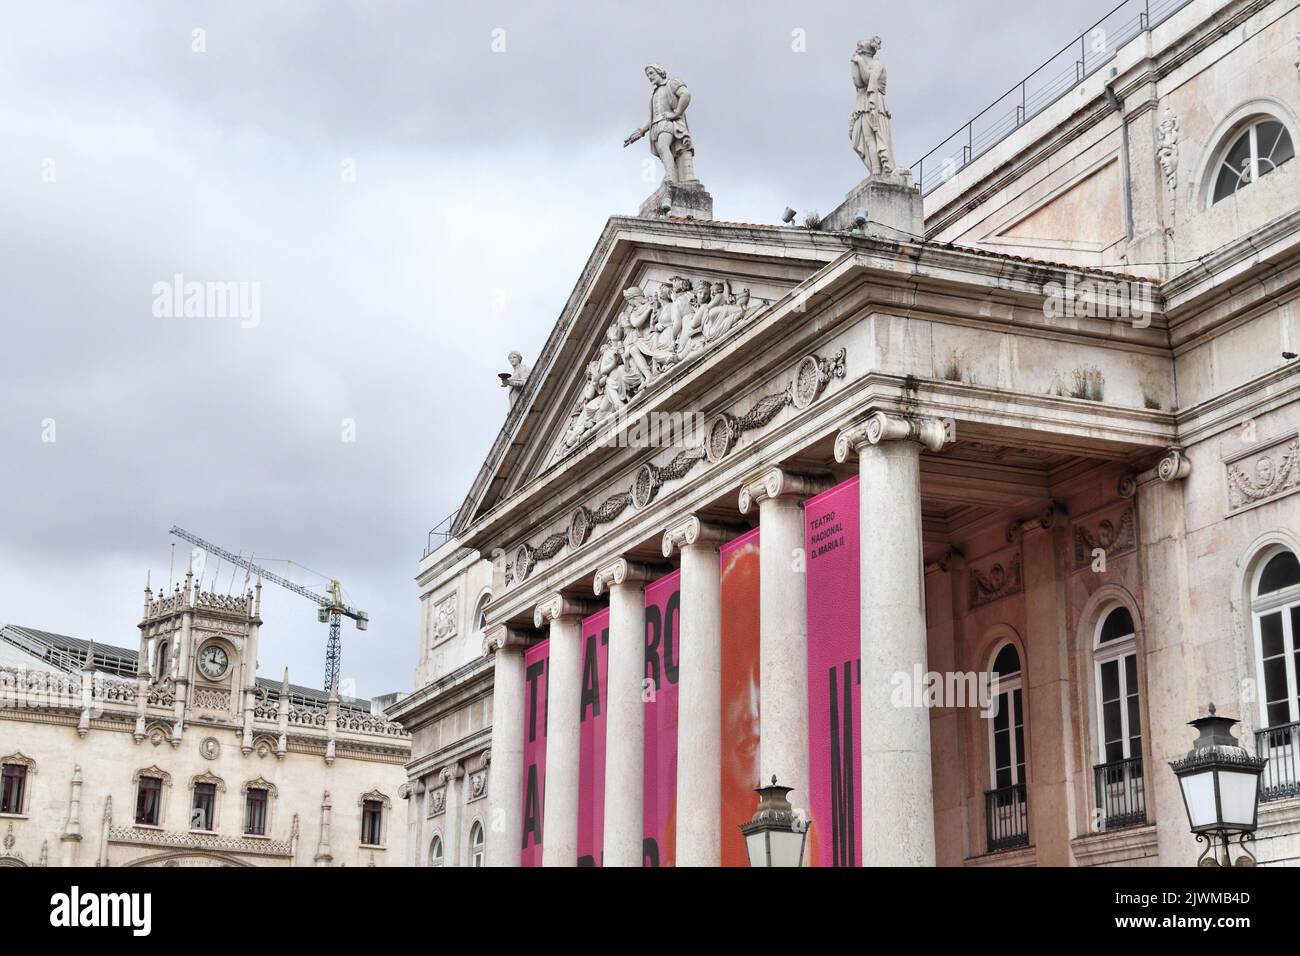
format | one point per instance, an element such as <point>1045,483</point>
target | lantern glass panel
<point>1237,795</point>
<point>1198,792</point>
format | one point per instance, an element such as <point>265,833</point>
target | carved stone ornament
<point>995,577</point>
<point>658,330</point>
<point>1167,152</point>
<point>207,777</point>
<point>444,618</point>
<point>478,781</point>
<point>1262,474</point>
<point>1174,466</point>
<point>811,376</point>
<point>210,748</point>
<point>880,426</point>
<point>1115,534</point>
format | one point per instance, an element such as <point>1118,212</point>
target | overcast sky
<point>412,189</point>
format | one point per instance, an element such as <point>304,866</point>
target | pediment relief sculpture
<point>656,331</point>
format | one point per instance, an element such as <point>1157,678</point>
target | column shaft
<point>563,739</point>
<point>699,709</point>
<point>506,786</point>
<point>783,648</point>
<point>625,727</point>
<point>897,778</point>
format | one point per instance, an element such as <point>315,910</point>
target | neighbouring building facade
<point>177,754</point>
<point>950,511</point>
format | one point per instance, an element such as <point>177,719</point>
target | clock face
<point>213,661</point>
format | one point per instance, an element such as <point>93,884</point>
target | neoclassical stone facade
<point>1045,431</point>
<point>177,754</point>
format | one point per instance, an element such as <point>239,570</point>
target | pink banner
<point>591,754</point>
<point>834,652</point>
<point>740,676</point>
<point>662,657</point>
<point>536,659</point>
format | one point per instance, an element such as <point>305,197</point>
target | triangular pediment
<point>657,298</point>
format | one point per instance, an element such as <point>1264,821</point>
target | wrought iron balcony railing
<point>1006,817</point>
<point>1121,793</point>
<point>1281,745</point>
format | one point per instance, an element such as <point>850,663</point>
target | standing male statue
<point>670,138</point>
<point>869,128</point>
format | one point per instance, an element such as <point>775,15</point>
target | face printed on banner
<point>740,687</point>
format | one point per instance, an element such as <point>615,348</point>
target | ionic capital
<point>879,426</point>
<point>1040,522</point>
<point>691,530</point>
<point>622,571</point>
<point>559,606</point>
<point>499,636</point>
<point>776,483</point>
<point>1174,466</point>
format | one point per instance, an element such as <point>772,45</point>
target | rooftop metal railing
<point>1078,60</point>
<point>439,534</point>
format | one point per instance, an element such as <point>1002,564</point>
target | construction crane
<point>331,609</point>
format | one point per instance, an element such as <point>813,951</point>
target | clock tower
<point>199,648</point>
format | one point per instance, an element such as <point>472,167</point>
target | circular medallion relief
<point>645,485</point>
<point>720,437</point>
<point>523,562</point>
<point>807,382</point>
<point>579,527</point>
<point>210,748</point>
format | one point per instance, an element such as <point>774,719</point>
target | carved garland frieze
<point>1264,474</point>
<point>811,376</point>
<point>1115,535</point>
<point>995,577</point>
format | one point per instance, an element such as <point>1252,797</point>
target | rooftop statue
<point>516,378</point>
<point>670,138</point>
<point>869,124</point>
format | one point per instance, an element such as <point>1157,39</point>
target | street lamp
<point>774,837</point>
<point>1220,783</point>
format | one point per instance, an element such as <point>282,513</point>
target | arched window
<point>480,612</point>
<point>1006,811</point>
<point>435,852</point>
<point>476,844</point>
<point>1258,149</point>
<point>1275,612</point>
<point>1275,607</point>
<point>1121,797</point>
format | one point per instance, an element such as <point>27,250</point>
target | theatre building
<point>949,511</point>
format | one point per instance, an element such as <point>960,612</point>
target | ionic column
<point>563,737</point>
<point>624,712</point>
<point>897,783</point>
<point>783,627</point>
<point>506,788</point>
<point>699,690</point>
